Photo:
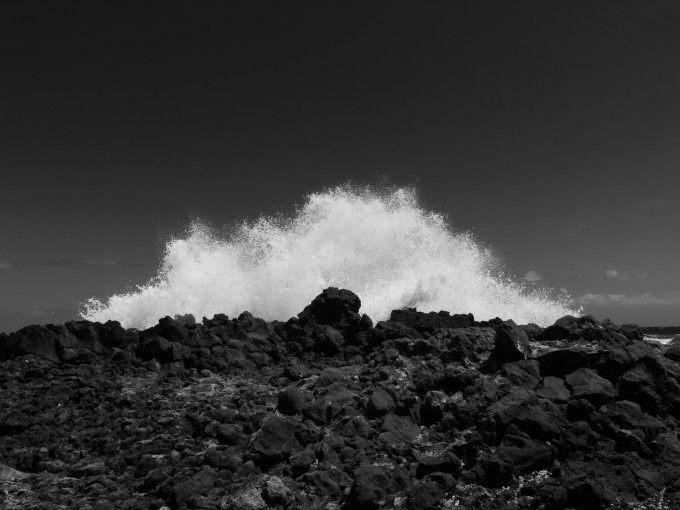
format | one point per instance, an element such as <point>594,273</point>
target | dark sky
<point>551,129</point>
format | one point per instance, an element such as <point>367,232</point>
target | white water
<point>383,245</point>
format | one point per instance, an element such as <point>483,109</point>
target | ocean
<point>380,243</point>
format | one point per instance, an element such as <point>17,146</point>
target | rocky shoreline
<point>329,411</point>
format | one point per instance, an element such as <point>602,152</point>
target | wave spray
<point>383,245</point>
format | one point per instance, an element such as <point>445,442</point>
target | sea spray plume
<point>381,244</point>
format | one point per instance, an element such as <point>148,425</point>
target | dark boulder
<point>561,362</point>
<point>526,454</point>
<point>523,373</point>
<point>112,334</point>
<point>290,401</point>
<point>512,344</point>
<point>584,383</point>
<point>200,483</point>
<point>445,462</point>
<point>374,486</point>
<point>328,340</point>
<point>432,321</point>
<point>274,442</point>
<point>171,330</point>
<point>398,430</point>
<point>379,404</point>
<point>638,385</point>
<point>38,340</point>
<point>334,307</point>
<point>572,328</point>
<point>554,389</point>
<point>162,350</point>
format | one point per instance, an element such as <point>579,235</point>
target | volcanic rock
<point>425,410</point>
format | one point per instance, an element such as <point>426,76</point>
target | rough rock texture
<point>326,411</point>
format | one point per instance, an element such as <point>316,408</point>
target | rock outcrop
<point>328,411</point>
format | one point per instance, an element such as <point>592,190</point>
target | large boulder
<point>512,344</point>
<point>274,442</point>
<point>38,340</point>
<point>334,307</point>
<point>586,384</point>
<point>374,486</point>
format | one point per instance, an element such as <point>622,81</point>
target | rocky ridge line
<point>328,411</point>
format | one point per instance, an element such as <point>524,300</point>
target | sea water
<point>383,244</point>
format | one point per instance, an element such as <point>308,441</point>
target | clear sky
<point>549,129</point>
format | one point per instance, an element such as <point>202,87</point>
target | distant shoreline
<point>660,330</point>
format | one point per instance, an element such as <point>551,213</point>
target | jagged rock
<point>638,385</point>
<point>38,340</point>
<point>172,330</point>
<point>586,384</point>
<point>243,413</point>
<point>374,485</point>
<point>329,340</point>
<point>275,441</point>
<point>553,388</point>
<point>512,344</point>
<point>379,404</point>
<point>291,401</point>
<point>432,321</point>
<point>445,462</point>
<point>162,350</point>
<point>398,429</point>
<point>8,474</point>
<point>526,454</point>
<point>200,483</point>
<point>334,307</point>
<point>523,373</point>
<point>561,362</point>
<point>571,328</point>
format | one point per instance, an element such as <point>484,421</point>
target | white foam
<point>383,245</point>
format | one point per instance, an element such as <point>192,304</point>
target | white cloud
<point>614,274</point>
<point>670,299</point>
<point>643,276</point>
<point>533,276</point>
<point>5,265</point>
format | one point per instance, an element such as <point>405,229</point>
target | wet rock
<point>172,330</point>
<point>334,307</point>
<point>570,328</point>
